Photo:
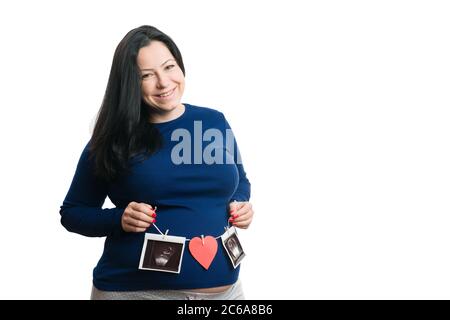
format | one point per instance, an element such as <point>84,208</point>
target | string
<point>187,239</point>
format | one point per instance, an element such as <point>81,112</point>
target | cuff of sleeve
<point>239,198</point>
<point>117,222</point>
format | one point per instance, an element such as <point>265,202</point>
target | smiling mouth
<point>165,95</point>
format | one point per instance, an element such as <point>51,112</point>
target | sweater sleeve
<point>243,190</point>
<point>82,211</point>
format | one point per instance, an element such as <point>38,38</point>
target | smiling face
<point>162,82</point>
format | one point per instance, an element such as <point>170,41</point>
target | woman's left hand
<point>241,214</point>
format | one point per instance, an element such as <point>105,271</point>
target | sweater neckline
<point>174,121</point>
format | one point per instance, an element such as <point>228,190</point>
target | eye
<point>147,75</point>
<point>170,66</point>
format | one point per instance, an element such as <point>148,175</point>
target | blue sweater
<point>192,200</point>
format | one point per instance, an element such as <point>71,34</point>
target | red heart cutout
<point>205,252</point>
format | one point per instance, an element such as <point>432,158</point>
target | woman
<point>154,156</point>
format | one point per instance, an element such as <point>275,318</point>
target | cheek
<point>180,79</point>
<point>145,91</point>
<point>179,76</point>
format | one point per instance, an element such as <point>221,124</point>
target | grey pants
<point>235,292</point>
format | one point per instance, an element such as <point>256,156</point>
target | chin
<point>163,107</point>
<point>170,107</point>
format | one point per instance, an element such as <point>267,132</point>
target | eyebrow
<point>161,65</point>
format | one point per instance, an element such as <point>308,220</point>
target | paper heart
<point>205,252</point>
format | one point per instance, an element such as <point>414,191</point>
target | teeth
<point>166,94</point>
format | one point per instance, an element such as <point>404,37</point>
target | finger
<point>137,215</point>
<point>235,206</point>
<point>244,208</point>
<point>237,214</point>
<point>247,216</point>
<point>149,207</point>
<point>243,224</point>
<point>142,207</point>
<point>137,223</point>
<point>246,219</point>
<point>241,217</point>
<point>242,211</point>
<point>140,215</point>
<point>146,208</point>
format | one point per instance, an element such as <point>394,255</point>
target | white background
<point>340,108</point>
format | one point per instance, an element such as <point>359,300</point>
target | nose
<point>163,81</point>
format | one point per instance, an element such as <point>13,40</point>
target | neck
<point>159,116</point>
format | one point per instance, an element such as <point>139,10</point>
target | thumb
<point>234,206</point>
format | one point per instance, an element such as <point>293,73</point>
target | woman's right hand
<point>137,217</point>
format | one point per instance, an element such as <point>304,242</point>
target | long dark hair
<point>122,129</point>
